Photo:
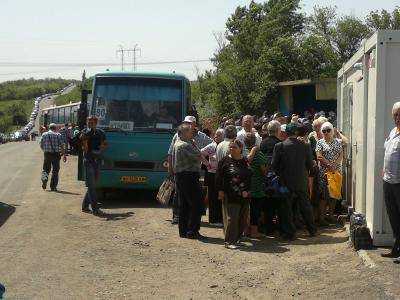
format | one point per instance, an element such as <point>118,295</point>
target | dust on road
<point>50,250</point>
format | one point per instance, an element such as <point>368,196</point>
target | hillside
<point>17,97</point>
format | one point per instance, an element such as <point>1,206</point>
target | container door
<point>357,131</point>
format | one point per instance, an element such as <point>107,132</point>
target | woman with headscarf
<point>233,180</point>
<point>329,151</point>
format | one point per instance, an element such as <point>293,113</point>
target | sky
<point>71,33</point>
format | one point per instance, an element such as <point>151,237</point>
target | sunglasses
<point>326,131</point>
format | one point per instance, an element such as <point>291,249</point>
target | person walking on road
<point>187,158</point>
<point>233,181</point>
<point>53,147</point>
<point>93,143</point>
<point>391,182</point>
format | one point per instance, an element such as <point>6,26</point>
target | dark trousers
<point>91,168</point>
<point>190,202</point>
<point>214,204</point>
<point>51,163</point>
<point>175,202</point>
<point>255,210</point>
<point>301,200</point>
<point>234,220</point>
<point>271,207</point>
<point>392,201</point>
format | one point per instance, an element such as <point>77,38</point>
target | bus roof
<point>61,106</point>
<point>142,74</point>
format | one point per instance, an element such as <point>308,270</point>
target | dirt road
<point>50,250</point>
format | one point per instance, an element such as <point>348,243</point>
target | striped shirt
<point>391,164</point>
<point>52,142</point>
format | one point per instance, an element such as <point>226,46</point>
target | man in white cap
<point>200,140</point>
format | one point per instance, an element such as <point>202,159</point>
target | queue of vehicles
<point>23,133</point>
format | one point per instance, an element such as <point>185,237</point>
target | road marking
<point>366,259</point>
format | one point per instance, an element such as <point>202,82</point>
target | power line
<point>99,64</point>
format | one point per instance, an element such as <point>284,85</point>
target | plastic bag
<point>334,184</point>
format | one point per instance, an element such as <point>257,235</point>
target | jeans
<point>392,201</point>
<point>91,168</point>
<point>52,163</point>
<point>190,202</point>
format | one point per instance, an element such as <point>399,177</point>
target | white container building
<point>368,86</point>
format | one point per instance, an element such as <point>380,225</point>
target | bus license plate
<point>133,179</point>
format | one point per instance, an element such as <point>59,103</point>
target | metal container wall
<point>368,86</point>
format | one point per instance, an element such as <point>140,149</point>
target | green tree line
<point>26,89</point>
<point>265,43</point>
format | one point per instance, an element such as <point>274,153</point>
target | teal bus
<point>139,113</point>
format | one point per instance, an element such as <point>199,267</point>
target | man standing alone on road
<point>187,159</point>
<point>391,182</point>
<point>93,143</point>
<point>53,147</point>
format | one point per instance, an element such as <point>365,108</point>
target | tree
<point>384,20</point>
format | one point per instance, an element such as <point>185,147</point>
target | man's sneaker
<point>44,184</point>
<point>97,212</point>
<point>396,260</point>
<point>86,210</point>
<point>392,254</point>
<point>231,246</point>
<point>53,189</point>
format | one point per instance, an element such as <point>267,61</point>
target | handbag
<point>334,184</point>
<point>166,191</point>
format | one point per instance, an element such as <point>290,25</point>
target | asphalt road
<point>49,249</point>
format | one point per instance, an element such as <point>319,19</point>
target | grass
<point>71,97</point>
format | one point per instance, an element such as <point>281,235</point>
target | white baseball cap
<point>189,119</point>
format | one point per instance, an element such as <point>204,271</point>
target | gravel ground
<point>50,250</point>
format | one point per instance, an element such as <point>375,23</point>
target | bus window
<point>67,115</point>
<point>61,115</point>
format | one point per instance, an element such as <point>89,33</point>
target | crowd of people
<point>263,175</point>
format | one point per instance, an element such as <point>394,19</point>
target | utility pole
<point>128,52</point>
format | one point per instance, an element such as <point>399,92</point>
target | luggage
<point>166,191</point>
<point>359,232</point>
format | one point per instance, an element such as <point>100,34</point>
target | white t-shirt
<point>242,134</point>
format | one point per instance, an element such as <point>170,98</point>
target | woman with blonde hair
<point>329,151</point>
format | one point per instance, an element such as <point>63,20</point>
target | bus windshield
<point>130,103</point>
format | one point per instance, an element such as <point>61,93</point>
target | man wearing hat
<point>292,162</point>
<point>200,140</point>
<point>93,143</point>
<point>53,146</point>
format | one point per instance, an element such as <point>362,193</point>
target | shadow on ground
<point>6,211</point>
<point>129,199</point>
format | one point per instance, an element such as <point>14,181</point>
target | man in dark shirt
<point>292,162</point>
<point>268,143</point>
<point>94,142</point>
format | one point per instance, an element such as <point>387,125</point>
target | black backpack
<point>359,232</point>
